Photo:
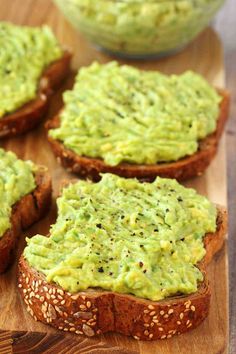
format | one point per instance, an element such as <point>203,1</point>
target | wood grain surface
<point>20,333</point>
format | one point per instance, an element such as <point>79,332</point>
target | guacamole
<point>140,27</point>
<point>16,180</point>
<point>25,53</point>
<point>122,114</point>
<point>126,236</point>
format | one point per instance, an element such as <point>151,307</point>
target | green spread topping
<point>140,26</point>
<point>16,180</point>
<point>25,52</point>
<point>122,114</point>
<point>126,236</point>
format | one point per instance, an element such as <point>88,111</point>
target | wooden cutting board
<point>19,333</point>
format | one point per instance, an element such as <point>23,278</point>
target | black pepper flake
<point>99,226</point>
<point>167,210</point>
<point>110,273</point>
<point>141,246</point>
<point>156,230</point>
<point>122,217</point>
<point>179,199</point>
<point>144,271</point>
<point>100,270</point>
<point>140,264</point>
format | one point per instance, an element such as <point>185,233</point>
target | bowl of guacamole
<point>139,28</point>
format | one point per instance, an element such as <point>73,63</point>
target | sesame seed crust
<point>93,312</point>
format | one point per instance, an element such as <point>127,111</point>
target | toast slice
<point>182,169</point>
<point>30,114</point>
<point>96,311</point>
<point>25,212</point>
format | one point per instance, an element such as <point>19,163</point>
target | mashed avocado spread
<point>24,54</point>
<point>122,114</point>
<point>16,180</point>
<point>126,236</point>
<point>140,26</point>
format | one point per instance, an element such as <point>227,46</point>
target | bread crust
<point>25,212</point>
<point>182,169</point>
<point>31,113</point>
<point>97,311</point>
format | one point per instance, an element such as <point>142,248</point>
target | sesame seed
<point>155,321</point>
<point>150,335</point>
<point>189,325</point>
<point>88,331</point>
<point>82,307</point>
<point>152,324</point>
<point>65,329</point>
<point>145,311</point>
<point>78,332</point>
<point>83,297</point>
<point>154,317</point>
<point>60,291</point>
<point>136,337</point>
<point>187,322</point>
<point>170,311</point>
<point>72,329</point>
<point>160,329</point>
<point>55,301</point>
<point>45,289</point>
<point>60,327</point>
<point>48,296</point>
<point>187,304</point>
<point>152,313</point>
<point>50,291</point>
<point>163,337</point>
<point>24,291</point>
<point>41,298</point>
<point>178,323</point>
<point>63,302</point>
<point>166,315</point>
<point>20,285</point>
<point>146,325</point>
<point>88,304</point>
<point>181,315</point>
<point>75,297</point>
<point>151,307</point>
<point>162,312</point>
<point>27,280</point>
<point>146,333</point>
<point>169,336</point>
<point>192,308</point>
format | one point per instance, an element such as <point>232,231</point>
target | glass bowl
<point>140,28</point>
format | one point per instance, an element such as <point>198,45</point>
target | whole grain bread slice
<point>182,169</point>
<point>30,114</point>
<point>97,311</point>
<point>25,212</point>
